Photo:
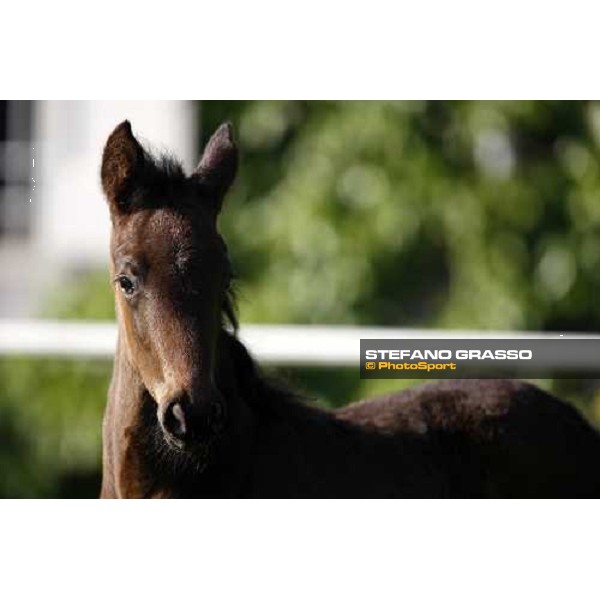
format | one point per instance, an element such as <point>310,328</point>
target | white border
<point>300,549</point>
<point>313,49</point>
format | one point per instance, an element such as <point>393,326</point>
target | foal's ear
<point>218,165</point>
<point>122,160</point>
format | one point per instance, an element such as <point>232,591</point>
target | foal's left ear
<point>218,165</point>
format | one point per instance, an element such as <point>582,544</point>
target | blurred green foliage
<point>479,215</point>
<point>451,214</point>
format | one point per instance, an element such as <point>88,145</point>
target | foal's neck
<point>137,461</point>
<point>123,432</point>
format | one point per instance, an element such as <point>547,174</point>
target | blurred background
<point>453,215</point>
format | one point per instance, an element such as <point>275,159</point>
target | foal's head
<point>170,272</point>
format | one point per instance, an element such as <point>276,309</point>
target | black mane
<point>229,316</point>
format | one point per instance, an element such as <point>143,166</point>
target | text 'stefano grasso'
<point>466,358</point>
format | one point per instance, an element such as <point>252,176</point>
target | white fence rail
<point>292,345</point>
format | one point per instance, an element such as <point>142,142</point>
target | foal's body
<point>463,438</point>
<point>189,415</point>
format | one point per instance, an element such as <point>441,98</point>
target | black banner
<point>479,359</point>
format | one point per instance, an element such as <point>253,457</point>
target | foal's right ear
<point>122,160</point>
<point>219,162</point>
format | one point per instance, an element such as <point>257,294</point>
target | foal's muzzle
<point>185,424</point>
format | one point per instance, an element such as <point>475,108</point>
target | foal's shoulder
<point>452,404</point>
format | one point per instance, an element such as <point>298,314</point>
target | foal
<point>189,414</point>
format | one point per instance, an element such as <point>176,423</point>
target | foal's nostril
<point>185,423</point>
<point>174,421</point>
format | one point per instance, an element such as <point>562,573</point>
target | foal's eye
<point>127,286</point>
